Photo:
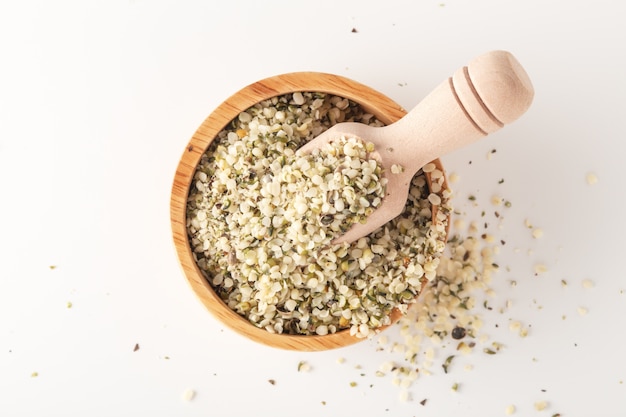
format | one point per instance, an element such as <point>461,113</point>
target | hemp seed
<point>261,219</point>
<point>592,178</point>
<point>188,395</point>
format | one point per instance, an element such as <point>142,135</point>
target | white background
<point>98,100</point>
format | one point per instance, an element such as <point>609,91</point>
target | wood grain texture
<point>385,109</point>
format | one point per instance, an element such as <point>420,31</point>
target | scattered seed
<point>136,348</point>
<point>464,348</point>
<point>592,179</point>
<point>189,395</point>
<point>272,381</point>
<point>458,333</point>
<point>303,366</point>
<point>447,363</point>
<point>448,306</point>
<point>541,405</point>
<point>509,410</point>
<point>587,283</point>
<point>515,326</point>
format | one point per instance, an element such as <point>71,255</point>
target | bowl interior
<point>383,108</point>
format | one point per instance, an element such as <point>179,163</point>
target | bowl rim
<point>381,106</point>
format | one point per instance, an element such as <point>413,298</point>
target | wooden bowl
<point>383,108</point>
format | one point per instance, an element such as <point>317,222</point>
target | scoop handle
<point>480,98</point>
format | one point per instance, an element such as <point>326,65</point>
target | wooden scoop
<point>493,90</point>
